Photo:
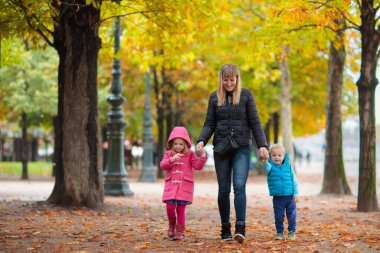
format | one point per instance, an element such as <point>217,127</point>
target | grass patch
<point>34,168</point>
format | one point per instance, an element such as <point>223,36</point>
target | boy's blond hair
<point>229,70</point>
<point>276,146</point>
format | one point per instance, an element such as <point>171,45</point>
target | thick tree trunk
<point>367,198</point>
<point>24,147</point>
<point>286,106</point>
<point>78,159</point>
<point>334,177</point>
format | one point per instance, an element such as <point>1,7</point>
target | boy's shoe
<point>280,236</point>
<point>239,233</point>
<point>226,232</point>
<point>292,235</point>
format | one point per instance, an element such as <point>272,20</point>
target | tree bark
<point>24,147</point>
<point>78,159</point>
<point>160,123</point>
<point>286,106</point>
<point>334,177</point>
<point>267,129</point>
<point>370,37</point>
<point>275,127</point>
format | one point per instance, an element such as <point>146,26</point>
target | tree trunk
<point>367,198</point>
<point>286,106</point>
<point>275,127</point>
<point>169,110</point>
<point>179,109</point>
<point>24,147</point>
<point>160,124</point>
<point>334,177</point>
<point>57,141</point>
<point>78,161</point>
<point>267,128</point>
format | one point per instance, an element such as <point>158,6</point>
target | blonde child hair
<point>276,146</point>
<point>172,149</point>
<point>229,70</point>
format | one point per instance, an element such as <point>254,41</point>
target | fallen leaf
<point>371,239</point>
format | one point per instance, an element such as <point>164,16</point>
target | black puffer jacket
<point>243,119</point>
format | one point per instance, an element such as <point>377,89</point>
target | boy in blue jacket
<point>283,186</point>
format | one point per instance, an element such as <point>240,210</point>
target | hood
<point>285,162</point>
<point>179,132</point>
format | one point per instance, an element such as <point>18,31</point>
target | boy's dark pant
<point>280,205</point>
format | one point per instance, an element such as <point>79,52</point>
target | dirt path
<point>138,223</point>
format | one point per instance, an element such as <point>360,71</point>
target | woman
<point>232,109</point>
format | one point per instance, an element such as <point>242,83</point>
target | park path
<point>310,177</point>
<point>138,223</point>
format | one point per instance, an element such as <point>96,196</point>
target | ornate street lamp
<point>148,173</point>
<point>115,182</point>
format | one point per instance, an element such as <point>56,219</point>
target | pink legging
<point>181,215</point>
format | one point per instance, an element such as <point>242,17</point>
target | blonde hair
<point>276,146</point>
<point>172,148</point>
<point>229,70</point>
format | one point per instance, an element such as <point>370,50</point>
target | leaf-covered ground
<point>138,223</point>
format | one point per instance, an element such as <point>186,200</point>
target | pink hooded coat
<point>179,180</point>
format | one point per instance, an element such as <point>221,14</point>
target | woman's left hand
<point>264,154</point>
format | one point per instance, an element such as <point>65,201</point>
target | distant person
<point>179,162</point>
<point>283,186</point>
<point>308,157</point>
<point>232,112</point>
<point>128,154</point>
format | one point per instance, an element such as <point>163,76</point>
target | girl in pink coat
<point>179,162</point>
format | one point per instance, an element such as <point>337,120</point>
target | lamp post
<point>148,173</point>
<point>115,182</point>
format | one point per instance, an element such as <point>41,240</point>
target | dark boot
<point>171,229</point>
<point>180,233</point>
<point>226,232</point>
<point>239,233</point>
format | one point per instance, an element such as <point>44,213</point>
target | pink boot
<point>171,229</point>
<point>180,233</point>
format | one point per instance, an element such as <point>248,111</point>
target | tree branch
<point>356,26</point>
<point>304,27</point>
<point>30,22</point>
<point>127,14</point>
<point>254,12</point>
<point>377,7</point>
<point>358,3</point>
<point>321,4</point>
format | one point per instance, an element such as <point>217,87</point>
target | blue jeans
<point>282,204</point>
<point>235,166</point>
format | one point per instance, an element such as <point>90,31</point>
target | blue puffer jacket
<point>281,178</point>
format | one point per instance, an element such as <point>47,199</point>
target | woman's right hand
<point>200,147</point>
